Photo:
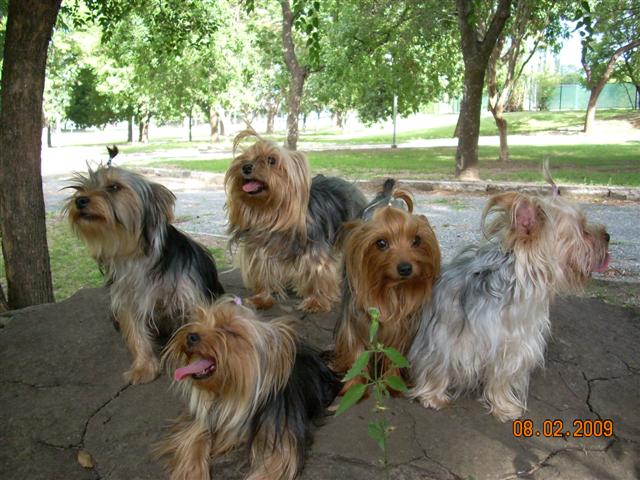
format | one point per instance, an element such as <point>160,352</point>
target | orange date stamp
<point>557,428</point>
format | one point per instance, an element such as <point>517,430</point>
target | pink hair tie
<point>237,300</point>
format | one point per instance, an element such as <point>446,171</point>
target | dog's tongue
<point>252,186</point>
<point>195,367</point>
<point>604,265</point>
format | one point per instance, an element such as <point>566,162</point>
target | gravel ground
<point>456,218</point>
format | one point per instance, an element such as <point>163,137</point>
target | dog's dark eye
<point>416,241</point>
<point>271,160</point>
<point>382,244</point>
<point>114,187</point>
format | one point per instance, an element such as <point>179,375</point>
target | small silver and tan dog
<point>487,325</point>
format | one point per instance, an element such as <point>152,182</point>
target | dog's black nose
<point>82,202</point>
<point>247,168</point>
<point>192,338</point>
<point>607,237</point>
<point>404,269</point>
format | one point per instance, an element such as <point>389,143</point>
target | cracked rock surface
<point>62,394</point>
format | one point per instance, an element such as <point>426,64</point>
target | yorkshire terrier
<point>156,273</point>
<point>391,260</point>
<point>285,224</point>
<point>487,325</point>
<point>246,382</point>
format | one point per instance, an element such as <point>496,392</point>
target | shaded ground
<point>62,393</point>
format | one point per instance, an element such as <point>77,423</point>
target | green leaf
<point>396,383</point>
<point>358,366</point>
<point>376,431</point>
<point>396,357</point>
<point>350,398</point>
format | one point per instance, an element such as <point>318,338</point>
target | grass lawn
<point>71,266</point>
<point>518,123</point>
<point>580,164</point>
<point>162,144</point>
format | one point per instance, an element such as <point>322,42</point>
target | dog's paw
<point>436,402</point>
<point>143,373</point>
<point>506,413</point>
<point>261,302</point>
<point>314,305</point>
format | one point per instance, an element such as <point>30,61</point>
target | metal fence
<point>576,97</point>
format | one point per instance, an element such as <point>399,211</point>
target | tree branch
<point>526,61</point>
<point>468,33</point>
<point>290,57</point>
<point>612,62</point>
<point>495,27</point>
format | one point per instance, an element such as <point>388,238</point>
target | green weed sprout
<point>378,430</point>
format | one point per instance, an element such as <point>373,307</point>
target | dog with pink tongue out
<point>246,382</point>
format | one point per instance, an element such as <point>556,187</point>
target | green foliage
<point>546,86</point>
<point>87,105</point>
<point>307,20</point>
<point>376,49</point>
<point>367,366</point>
<point>63,59</point>
<point>605,26</point>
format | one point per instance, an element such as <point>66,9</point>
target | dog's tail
<point>113,152</point>
<point>392,190</point>
<point>388,187</point>
<point>555,190</point>
<point>391,195</point>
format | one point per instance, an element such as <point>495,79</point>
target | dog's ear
<point>242,136</point>
<point>504,201</point>
<point>164,199</point>
<point>513,211</point>
<point>526,218</point>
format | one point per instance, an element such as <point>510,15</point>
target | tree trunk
<point>22,214</point>
<point>130,129</point>
<point>469,125</point>
<point>190,123</point>
<point>340,119</point>
<point>49,140</point>
<point>143,128</point>
<point>271,117</point>
<point>214,120</point>
<point>597,84</point>
<point>501,123</point>
<point>498,100</point>
<point>590,117</point>
<point>4,306</point>
<point>298,76</point>
<point>293,114</point>
<point>476,55</point>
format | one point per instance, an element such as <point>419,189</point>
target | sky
<point>571,51</point>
